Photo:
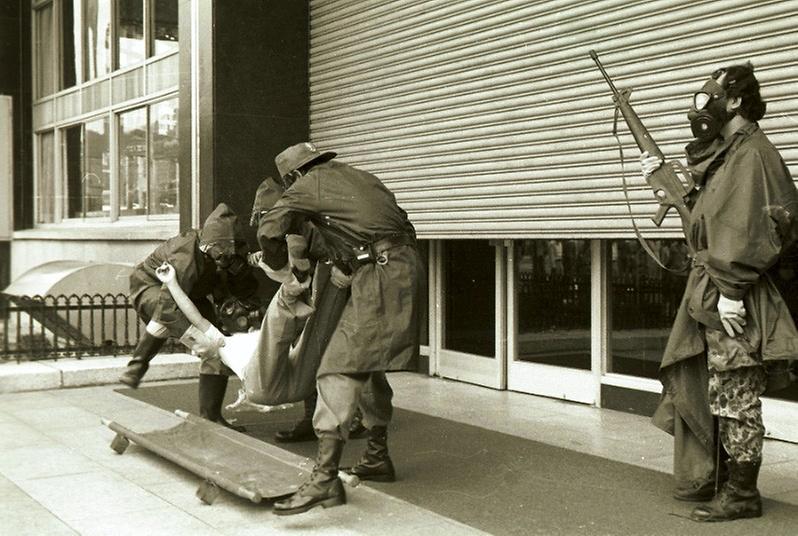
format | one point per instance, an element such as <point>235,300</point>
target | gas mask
<point>227,259</point>
<point>708,113</point>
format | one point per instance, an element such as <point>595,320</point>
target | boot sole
<point>375,478</point>
<point>371,478</point>
<point>131,384</point>
<point>326,503</point>
<point>693,499</point>
<point>743,515</point>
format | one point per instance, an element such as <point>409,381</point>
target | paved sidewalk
<point>59,476</point>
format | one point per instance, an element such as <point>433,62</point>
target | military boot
<point>303,429</point>
<point>375,464</point>
<point>146,349</point>
<point>738,498</point>
<point>323,488</point>
<point>703,489</point>
<point>356,428</point>
<point>212,388</point>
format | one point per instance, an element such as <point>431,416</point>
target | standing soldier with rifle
<point>733,332</point>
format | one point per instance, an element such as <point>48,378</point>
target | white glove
<point>340,279</point>
<point>732,315</point>
<point>203,343</point>
<point>216,336</point>
<point>649,164</point>
<point>292,287</point>
<point>255,259</point>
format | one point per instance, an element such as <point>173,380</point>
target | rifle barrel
<point>603,72</point>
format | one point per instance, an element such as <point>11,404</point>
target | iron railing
<point>48,327</point>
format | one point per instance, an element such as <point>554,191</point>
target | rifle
<point>669,190</point>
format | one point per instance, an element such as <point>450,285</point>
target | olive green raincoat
<point>743,219</point>
<point>351,207</point>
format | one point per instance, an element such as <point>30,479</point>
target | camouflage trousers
<point>734,400</point>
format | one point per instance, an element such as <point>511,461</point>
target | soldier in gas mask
<point>733,333</point>
<point>372,246</point>
<point>208,263</point>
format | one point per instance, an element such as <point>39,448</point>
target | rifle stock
<point>669,190</point>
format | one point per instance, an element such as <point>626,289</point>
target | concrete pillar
<point>243,98</point>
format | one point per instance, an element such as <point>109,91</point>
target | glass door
<point>472,303</point>
<point>549,289</point>
<point>779,409</point>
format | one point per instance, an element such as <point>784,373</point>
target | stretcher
<point>221,457</point>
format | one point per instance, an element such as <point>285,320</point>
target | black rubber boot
<point>323,488</point>
<point>738,498</point>
<point>212,388</point>
<point>146,349</point>
<point>702,490</point>
<point>375,464</point>
<point>303,429</point>
<point>356,428</point>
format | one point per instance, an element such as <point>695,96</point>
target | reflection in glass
<point>72,161</point>
<point>130,32</point>
<point>164,27</point>
<point>423,302</point>
<point>644,299</point>
<point>133,162</point>
<point>552,283</point>
<point>45,55</point>
<point>45,181</point>
<point>96,38</point>
<point>164,159</point>
<point>70,43</point>
<point>785,277</point>
<point>97,174</point>
<point>470,282</point>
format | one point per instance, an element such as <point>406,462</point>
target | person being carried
<point>733,332</point>
<point>317,260</point>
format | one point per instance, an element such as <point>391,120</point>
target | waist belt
<point>374,252</point>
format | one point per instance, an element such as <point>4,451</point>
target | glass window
<point>97,175</point>
<point>470,284</point>
<point>45,196</point>
<point>164,160</point>
<point>164,27</point>
<point>133,162</point>
<point>86,170</point>
<point>45,54</point>
<point>130,32</point>
<point>552,284</point>
<point>72,159</point>
<point>70,42</point>
<point>645,298</point>
<point>96,38</point>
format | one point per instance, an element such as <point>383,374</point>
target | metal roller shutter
<point>490,119</point>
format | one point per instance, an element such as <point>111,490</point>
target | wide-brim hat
<point>298,155</point>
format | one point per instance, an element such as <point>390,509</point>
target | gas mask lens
<point>701,99</point>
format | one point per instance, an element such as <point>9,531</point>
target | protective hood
<point>266,196</point>
<point>221,227</point>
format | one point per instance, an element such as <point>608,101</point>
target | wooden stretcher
<point>221,457</point>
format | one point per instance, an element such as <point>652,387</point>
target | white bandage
<point>203,344</point>
<point>159,331</point>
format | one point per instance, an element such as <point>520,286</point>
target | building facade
<point>489,120</point>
